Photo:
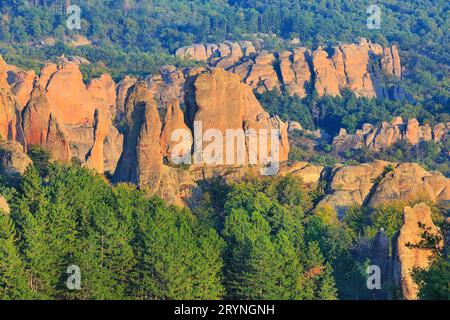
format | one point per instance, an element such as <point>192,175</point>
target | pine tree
<point>251,266</point>
<point>318,275</point>
<point>13,280</point>
<point>291,270</point>
<point>30,212</point>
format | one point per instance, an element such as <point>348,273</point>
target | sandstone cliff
<point>59,113</point>
<point>380,182</point>
<point>406,258</point>
<point>219,94</point>
<point>126,129</point>
<point>358,67</point>
<point>379,138</point>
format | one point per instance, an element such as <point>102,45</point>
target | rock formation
<point>380,182</point>
<point>13,161</point>
<point>406,258</point>
<point>22,85</point>
<point>126,130</point>
<point>297,71</point>
<point>219,94</point>
<point>121,95</point>
<point>175,121</point>
<point>42,128</point>
<point>10,118</point>
<point>310,174</point>
<point>381,138</point>
<point>220,55</point>
<point>351,185</point>
<point>4,206</point>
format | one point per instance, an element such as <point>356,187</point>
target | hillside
<point>209,150</point>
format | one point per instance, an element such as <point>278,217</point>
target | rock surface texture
<point>406,258</point>
<point>379,138</point>
<point>299,70</point>
<point>126,130</point>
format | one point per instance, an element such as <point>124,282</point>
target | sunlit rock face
<point>355,66</point>
<point>406,258</point>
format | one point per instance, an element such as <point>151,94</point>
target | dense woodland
<point>257,239</point>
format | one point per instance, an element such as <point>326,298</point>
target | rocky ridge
<point>358,67</point>
<point>379,138</point>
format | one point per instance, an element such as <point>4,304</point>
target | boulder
<point>408,182</point>
<point>13,161</point>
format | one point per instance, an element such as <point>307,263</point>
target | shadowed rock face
<point>407,258</point>
<point>10,118</point>
<point>13,161</point>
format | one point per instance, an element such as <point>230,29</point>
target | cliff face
<point>405,257</point>
<point>59,112</point>
<point>223,102</point>
<point>357,67</point>
<point>127,129</point>
<point>10,117</point>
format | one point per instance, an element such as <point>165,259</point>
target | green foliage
<point>13,279</point>
<point>434,281</point>
<point>265,256</point>
<point>127,246</point>
<point>40,158</point>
